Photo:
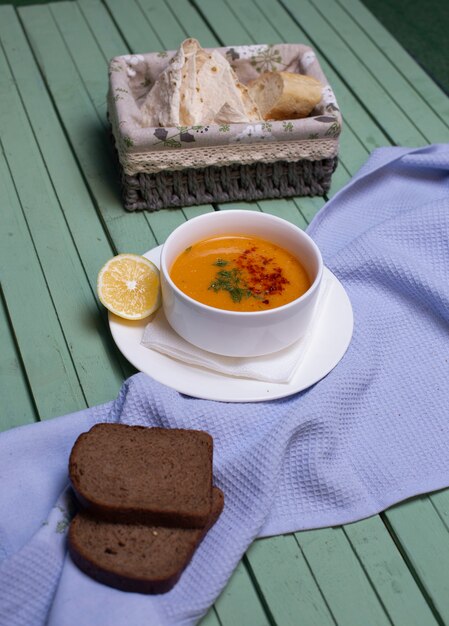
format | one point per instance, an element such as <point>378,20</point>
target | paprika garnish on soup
<point>239,273</point>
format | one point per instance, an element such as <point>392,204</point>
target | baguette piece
<point>149,475</point>
<point>136,557</point>
<point>285,95</point>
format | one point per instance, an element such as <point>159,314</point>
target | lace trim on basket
<point>151,163</point>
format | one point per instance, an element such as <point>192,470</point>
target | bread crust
<point>285,95</point>
<point>114,495</point>
<point>115,574</point>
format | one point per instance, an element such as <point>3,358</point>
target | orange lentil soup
<point>239,273</point>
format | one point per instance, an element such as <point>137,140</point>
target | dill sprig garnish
<point>221,263</point>
<point>231,281</point>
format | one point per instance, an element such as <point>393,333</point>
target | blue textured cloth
<point>373,432</point>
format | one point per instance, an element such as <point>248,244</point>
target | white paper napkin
<point>278,367</point>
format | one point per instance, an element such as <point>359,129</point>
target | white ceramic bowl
<point>234,333</point>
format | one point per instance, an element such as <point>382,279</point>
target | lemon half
<point>129,286</point>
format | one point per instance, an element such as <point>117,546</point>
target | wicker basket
<point>183,166</point>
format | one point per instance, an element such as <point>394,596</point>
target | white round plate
<point>331,337</point>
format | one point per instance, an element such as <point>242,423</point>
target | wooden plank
<point>413,106</point>
<point>210,619</point>
<point>68,182</point>
<point>285,208</point>
<point>163,222</point>
<point>89,141</point>
<point>195,211</point>
<point>75,303</point>
<point>381,562</point>
<point>385,567</point>
<point>440,501</point>
<point>286,582</point>
<point>239,602</point>
<point>163,22</point>
<point>76,35</point>
<point>309,207</point>
<point>134,26</point>
<point>371,93</point>
<point>16,406</point>
<point>424,542</point>
<point>103,28</point>
<point>192,22</point>
<point>91,64</point>
<point>433,95</point>
<point>55,387</point>
<point>340,177</point>
<point>341,578</point>
<point>229,29</point>
<point>76,203</point>
<point>360,121</point>
<point>239,206</point>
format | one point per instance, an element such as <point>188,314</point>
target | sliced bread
<point>148,475</point>
<point>136,557</point>
<point>285,95</point>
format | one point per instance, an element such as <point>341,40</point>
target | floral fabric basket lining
<point>188,165</point>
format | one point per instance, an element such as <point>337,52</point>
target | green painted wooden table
<point>62,218</point>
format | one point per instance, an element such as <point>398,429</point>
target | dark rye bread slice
<point>147,475</point>
<point>136,557</point>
